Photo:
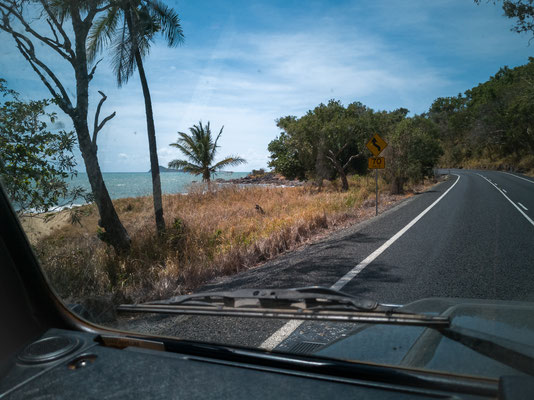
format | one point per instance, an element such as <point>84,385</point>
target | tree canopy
<point>35,163</point>
<point>329,142</point>
<point>521,11</point>
<point>491,124</point>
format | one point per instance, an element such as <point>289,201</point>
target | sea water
<point>134,184</point>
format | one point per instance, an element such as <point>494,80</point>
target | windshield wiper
<point>325,304</point>
<point>307,303</point>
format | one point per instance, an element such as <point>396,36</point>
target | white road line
<point>283,333</point>
<point>504,191</point>
<point>358,268</point>
<point>507,198</point>
<point>520,177</point>
<point>522,206</point>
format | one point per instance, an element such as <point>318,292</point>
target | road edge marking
<point>520,177</point>
<point>289,327</point>
<point>507,198</point>
<point>358,268</point>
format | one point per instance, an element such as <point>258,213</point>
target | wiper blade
<point>301,298</point>
<point>307,303</point>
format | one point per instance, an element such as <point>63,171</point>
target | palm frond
<point>60,9</point>
<point>214,149</point>
<point>191,144</point>
<point>200,148</point>
<point>228,162</point>
<point>102,33</point>
<point>187,152</point>
<point>123,59</point>
<point>186,166</point>
<point>169,21</point>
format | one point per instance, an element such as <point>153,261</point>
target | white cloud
<point>385,55</point>
<point>295,75</point>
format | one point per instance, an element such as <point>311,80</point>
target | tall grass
<point>209,234</point>
<point>524,164</point>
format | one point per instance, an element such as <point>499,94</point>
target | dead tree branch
<point>98,126</point>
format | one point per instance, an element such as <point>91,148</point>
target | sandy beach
<point>38,226</point>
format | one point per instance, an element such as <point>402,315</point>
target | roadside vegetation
<point>124,248</point>
<point>328,142</point>
<point>208,235</point>
<point>36,160</point>
<point>491,125</point>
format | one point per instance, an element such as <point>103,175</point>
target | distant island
<point>163,169</point>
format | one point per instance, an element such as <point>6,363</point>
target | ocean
<point>134,184</point>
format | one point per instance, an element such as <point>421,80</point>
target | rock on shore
<point>269,178</point>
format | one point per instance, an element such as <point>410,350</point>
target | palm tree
<point>200,149</point>
<point>129,26</point>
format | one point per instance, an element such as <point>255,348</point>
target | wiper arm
<point>517,355</point>
<point>298,298</point>
<point>307,303</point>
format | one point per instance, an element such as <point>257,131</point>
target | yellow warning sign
<point>376,145</point>
<point>377,162</point>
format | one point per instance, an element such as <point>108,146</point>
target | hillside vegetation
<point>488,126</point>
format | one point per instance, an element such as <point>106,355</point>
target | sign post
<point>376,192</point>
<point>375,146</point>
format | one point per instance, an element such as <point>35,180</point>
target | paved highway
<point>471,236</point>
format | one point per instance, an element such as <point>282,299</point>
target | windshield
<point>383,151</point>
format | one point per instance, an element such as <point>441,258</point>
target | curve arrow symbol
<point>376,144</point>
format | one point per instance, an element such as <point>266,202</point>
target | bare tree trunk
<point>151,130</point>
<point>341,168</point>
<point>344,181</point>
<point>115,234</point>
<point>397,185</point>
<point>342,174</point>
<point>152,148</point>
<point>319,166</point>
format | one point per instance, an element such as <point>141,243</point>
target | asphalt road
<point>473,237</point>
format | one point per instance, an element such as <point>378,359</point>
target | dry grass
<point>208,235</point>
<point>524,165</point>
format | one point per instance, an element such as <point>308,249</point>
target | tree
<point>491,124</point>
<point>200,149</point>
<point>15,20</point>
<point>413,151</point>
<point>338,137</point>
<point>520,10</point>
<point>324,143</point>
<point>129,26</point>
<point>34,162</point>
<point>453,122</point>
<point>285,158</point>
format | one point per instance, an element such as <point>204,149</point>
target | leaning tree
<point>22,20</point>
<point>127,28</point>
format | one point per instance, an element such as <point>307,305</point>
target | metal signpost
<point>376,145</point>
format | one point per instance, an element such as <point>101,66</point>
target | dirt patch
<point>39,226</point>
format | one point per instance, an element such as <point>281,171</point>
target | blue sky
<point>246,63</point>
